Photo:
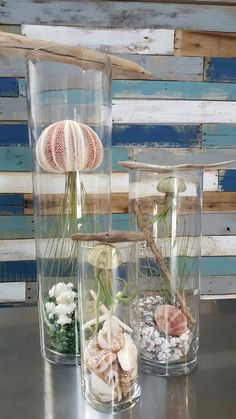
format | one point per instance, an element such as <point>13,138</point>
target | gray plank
<point>120,14</point>
<point>218,285</point>
<point>223,224</point>
<point>13,109</point>
<point>12,66</point>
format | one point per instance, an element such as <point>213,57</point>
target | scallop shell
<point>101,390</point>
<point>117,341</point>
<point>68,146</point>
<point>100,361</point>
<point>170,320</point>
<point>126,380</point>
<point>128,355</point>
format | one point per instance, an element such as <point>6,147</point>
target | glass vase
<point>165,204</point>
<point>109,312</point>
<point>69,113</point>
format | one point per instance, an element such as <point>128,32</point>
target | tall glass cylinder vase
<point>165,203</point>
<point>109,313</point>
<point>69,112</point>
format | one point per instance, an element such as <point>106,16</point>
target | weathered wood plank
<point>143,111</point>
<point>18,159</point>
<point>162,135</point>
<point>16,227</point>
<point>14,135</point>
<point>24,249</point>
<point>219,201</point>
<point>219,135</point>
<point>172,112</point>
<point>120,14</point>
<point>12,292</point>
<point>205,44</point>
<point>218,285</point>
<point>150,89</point>
<point>18,271</point>
<point>11,66</point>
<point>227,180</point>
<point>115,41</point>
<point>220,69</point>
<point>9,87</point>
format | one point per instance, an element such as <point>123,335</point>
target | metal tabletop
<point>33,389</point>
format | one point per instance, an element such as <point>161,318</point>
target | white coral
<point>50,308</point>
<point>66,297</point>
<point>57,289</point>
<point>62,320</point>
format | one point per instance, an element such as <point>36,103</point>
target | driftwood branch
<point>111,237</point>
<point>52,51</point>
<point>165,169</point>
<point>159,258</point>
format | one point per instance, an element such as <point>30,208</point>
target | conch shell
<point>103,391</point>
<point>170,320</point>
<point>100,361</point>
<point>128,355</point>
<point>126,380</point>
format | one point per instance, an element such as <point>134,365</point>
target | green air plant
<point>106,261</point>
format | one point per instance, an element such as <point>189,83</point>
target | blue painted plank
<point>11,204</point>
<point>120,222</point>
<point>221,265</point>
<point>9,87</point>
<point>119,154</point>
<point>16,227</point>
<point>18,271</point>
<point>220,70</point>
<point>16,159</point>
<point>14,134</point>
<point>227,180</point>
<point>156,135</point>
<point>149,89</point>
<point>219,135</point>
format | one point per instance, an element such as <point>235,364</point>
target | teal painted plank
<point>119,154</point>
<point>18,271</point>
<point>11,204</point>
<point>222,265</point>
<point>16,159</point>
<point>219,135</point>
<point>14,134</point>
<point>120,222</point>
<point>16,227</point>
<point>134,89</point>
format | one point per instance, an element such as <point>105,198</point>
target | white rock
<point>158,341</point>
<point>160,356</point>
<point>173,342</point>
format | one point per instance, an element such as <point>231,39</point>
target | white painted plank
<point>13,182</point>
<point>211,246</point>
<point>173,111</point>
<point>12,292</point>
<point>135,111</point>
<point>132,41</point>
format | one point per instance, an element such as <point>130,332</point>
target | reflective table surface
<point>33,389</point>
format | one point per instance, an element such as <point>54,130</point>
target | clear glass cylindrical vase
<point>165,204</point>
<point>69,113</point>
<point>109,313</point>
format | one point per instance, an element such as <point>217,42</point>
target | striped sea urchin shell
<point>68,146</point>
<point>170,320</point>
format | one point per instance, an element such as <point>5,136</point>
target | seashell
<point>114,326</point>
<point>117,341</point>
<point>126,380</point>
<point>103,391</point>
<point>92,348</point>
<point>170,320</point>
<point>100,361</point>
<point>128,355</point>
<point>68,146</point>
<point>105,256</point>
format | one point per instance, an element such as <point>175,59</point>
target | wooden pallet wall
<point>190,49</point>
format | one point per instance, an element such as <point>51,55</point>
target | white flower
<point>70,308</point>
<point>57,289</point>
<point>64,309</point>
<point>52,291</point>
<point>66,297</point>
<point>70,285</point>
<point>64,320</point>
<point>50,308</point>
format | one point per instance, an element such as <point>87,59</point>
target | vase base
<point>115,407</point>
<point>58,358</point>
<point>167,370</point>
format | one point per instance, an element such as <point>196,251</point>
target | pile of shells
<point>111,359</point>
<point>165,335</point>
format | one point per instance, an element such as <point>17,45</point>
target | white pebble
<point>156,334</point>
<point>161,356</point>
<point>158,341</point>
<point>173,342</point>
<point>184,336</point>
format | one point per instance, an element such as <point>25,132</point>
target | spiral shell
<point>170,320</point>
<point>100,361</point>
<point>126,380</point>
<point>68,146</point>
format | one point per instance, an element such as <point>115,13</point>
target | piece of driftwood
<point>165,169</point>
<point>110,236</point>
<point>52,51</point>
